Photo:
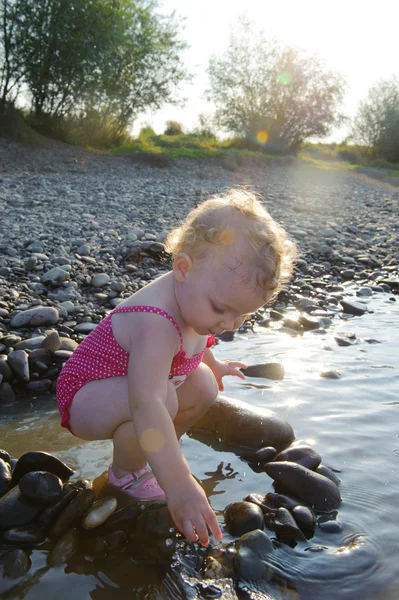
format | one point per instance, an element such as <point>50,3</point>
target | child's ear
<point>182,265</point>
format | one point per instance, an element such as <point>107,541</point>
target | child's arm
<point>221,368</point>
<point>151,353</point>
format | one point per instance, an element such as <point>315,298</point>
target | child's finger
<point>236,372</point>
<point>237,364</point>
<point>212,521</point>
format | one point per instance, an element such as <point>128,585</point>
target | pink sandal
<point>140,485</point>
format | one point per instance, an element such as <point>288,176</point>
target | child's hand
<point>222,368</point>
<point>191,512</point>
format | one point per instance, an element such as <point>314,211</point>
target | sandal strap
<point>136,482</point>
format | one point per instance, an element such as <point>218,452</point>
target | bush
<point>14,126</point>
<point>173,128</point>
<point>90,128</point>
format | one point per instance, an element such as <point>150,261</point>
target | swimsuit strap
<point>156,311</point>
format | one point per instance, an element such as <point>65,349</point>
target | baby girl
<point>147,373</point>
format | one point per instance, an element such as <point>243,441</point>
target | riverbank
<point>82,230</point>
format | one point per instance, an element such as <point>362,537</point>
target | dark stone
<point>285,526</point>
<point>309,322</point>
<point>16,563</point>
<point>240,424</point>
<point>16,510</point>
<point>7,395</point>
<point>304,518</point>
<point>155,523</point>
<point>41,486</point>
<point>259,501</point>
<point>250,559</point>
<point>282,500</point>
<point>316,490</point>
<point>353,308</point>
<point>302,455</point>
<point>49,515</point>
<point>41,461</point>
<point>329,525</point>
<point>5,456</point>
<point>125,519</point>
<point>5,476</point>
<point>327,472</point>
<point>331,375</point>
<point>63,549</point>
<point>73,512</point>
<point>266,370</point>
<point>261,456</point>
<point>31,534</point>
<point>242,517</point>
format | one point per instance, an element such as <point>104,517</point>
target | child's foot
<point>140,485</point>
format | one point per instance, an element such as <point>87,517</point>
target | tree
<point>114,55</point>
<point>11,70</point>
<point>259,85</point>
<point>377,121</point>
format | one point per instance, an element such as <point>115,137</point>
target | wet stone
<point>5,476</point>
<point>41,461</point>
<point>314,489</point>
<point>331,374</point>
<point>242,517</point>
<point>99,512</point>
<point>329,525</point>
<point>285,526</point>
<point>30,534</point>
<point>63,549</point>
<point>327,472</point>
<point>41,486</point>
<point>250,559</point>
<point>73,512</point>
<point>15,510</point>
<point>16,563</point>
<point>7,395</point>
<point>305,518</point>
<point>302,455</point>
<point>5,456</point>
<point>353,308</point>
<point>273,371</point>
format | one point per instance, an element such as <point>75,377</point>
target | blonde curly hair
<point>238,215</point>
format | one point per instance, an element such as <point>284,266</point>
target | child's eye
<point>219,311</point>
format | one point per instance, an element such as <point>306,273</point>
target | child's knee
<point>172,403</point>
<point>209,386</point>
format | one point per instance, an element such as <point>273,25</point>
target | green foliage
<point>91,128</point>
<point>377,122</point>
<point>117,57</point>
<point>258,85</point>
<point>173,128</point>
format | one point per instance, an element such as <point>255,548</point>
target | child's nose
<point>227,323</point>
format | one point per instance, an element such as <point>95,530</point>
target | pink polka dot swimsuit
<point>99,356</point>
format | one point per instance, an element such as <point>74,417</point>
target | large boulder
<point>241,424</point>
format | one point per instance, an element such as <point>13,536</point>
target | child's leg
<point>100,411</point>
<point>195,397</point>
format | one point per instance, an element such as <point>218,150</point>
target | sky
<point>357,38</point>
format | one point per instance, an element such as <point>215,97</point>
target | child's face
<point>218,295</point>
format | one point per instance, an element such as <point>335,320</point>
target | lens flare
<point>284,78</point>
<point>262,136</point>
<point>152,440</point>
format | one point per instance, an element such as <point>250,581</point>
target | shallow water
<point>352,422</point>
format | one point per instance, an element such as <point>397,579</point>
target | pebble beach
<point>82,230</point>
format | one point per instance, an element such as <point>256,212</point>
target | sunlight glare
<point>262,136</point>
<point>284,78</point>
